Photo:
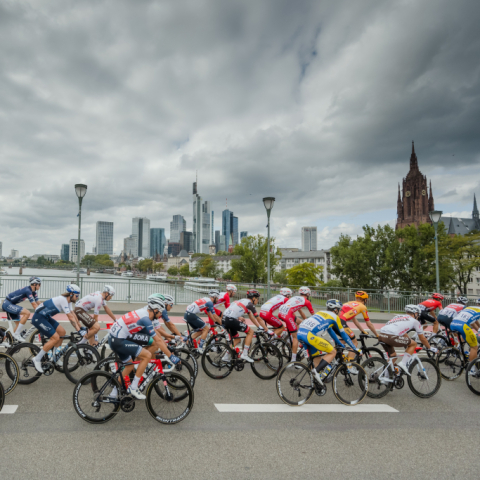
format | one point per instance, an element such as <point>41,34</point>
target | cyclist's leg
<point>315,345</point>
<point>13,313</point>
<point>196,323</point>
<point>349,332</point>
<point>472,341</point>
<point>273,321</point>
<point>292,328</point>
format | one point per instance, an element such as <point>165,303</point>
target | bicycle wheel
<point>472,376</point>
<point>186,371</point>
<point>186,356</point>
<point>424,382</point>
<point>376,370</point>
<point>79,361</point>
<point>23,354</point>
<point>90,397</point>
<point>295,384</point>
<point>267,361</point>
<point>450,362</point>
<point>439,342</point>
<point>217,361</point>
<point>34,338</point>
<point>372,352</point>
<point>2,397</point>
<point>8,337</point>
<point>213,342</point>
<point>9,373</point>
<point>350,388</point>
<point>169,405</point>
<point>284,347</point>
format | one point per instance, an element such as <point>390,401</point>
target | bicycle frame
<point>386,379</point>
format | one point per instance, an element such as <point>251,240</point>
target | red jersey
<point>294,304</point>
<point>224,298</point>
<point>352,309</point>
<point>430,305</point>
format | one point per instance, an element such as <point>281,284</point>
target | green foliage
<point>334,283</point>
<point>280,277</point>
<point>96,261</point>
<point>196,255</point>
<point>305,274</point>
<point>43,261</point>
<point>173,271</point>
<point>223,253</point>
<point>145,265</point>
<point>207,267</point>
<point>228,275</point>
<point>184,270</point>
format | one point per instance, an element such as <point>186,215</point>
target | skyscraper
<point>234,230</point>
<point>243,235</point>
<point>186,241</point>
<point>104,238</point>
<point>157,241</point>
<point>177,226</point>
<point>212,227</point>
<point>64,252</point>
<point>201,223</point>
<point>309,238</point>
<point>229,228</point>
<point>130,246</point>
<point>73,247</point>
<point>141,229</point>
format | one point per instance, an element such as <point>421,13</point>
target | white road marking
<point>9,409</point>
<point>283,408</point>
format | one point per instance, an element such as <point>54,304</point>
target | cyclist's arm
<point>303,314</point>
<point>109,312</point>
<point>422,338</point>
<point>73,320</point>
<point>345,337</point>
<point>256,321</point>
<point>357,324</point>
<point>164,333</point>
<point>214,317</point>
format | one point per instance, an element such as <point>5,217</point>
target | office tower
<point>221,243</point>
<point>212,228</point>
<point>234,230</point>
<point>230,228</point>
<point>130,246</point>
<point>64,252</point>
<point>141,229</point>
<point>177,226</point>
<point>174,248</point>
<point>157,241</point>
<point>201,223</point>
<point>14,254</point>
<point>309,238</point>
<point>186,241</point>
<point>73,250</point>
<point>243,234</point>
<point>104,238</point>
<point>217,240</point>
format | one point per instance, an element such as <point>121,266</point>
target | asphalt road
<point>434,438</point>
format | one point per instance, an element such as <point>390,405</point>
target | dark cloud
<point>315,103</point>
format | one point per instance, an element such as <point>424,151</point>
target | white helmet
<point>72,288</point>
<point>304,291</point>
<point>231,288</point>
<point>168,299</point>
<point>156,304</point>
<point>412,309</point>
<point>109,289</point>
<point>214,293</point>
<point>285,292</point>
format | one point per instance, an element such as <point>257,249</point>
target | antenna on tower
<point>226,203</point>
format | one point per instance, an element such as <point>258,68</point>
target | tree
<point>145,265</point>
<point>184,270</point>
<point>206,267</point>
<point>97,260</point>
<point>223,253</point>
<point>334,283</point>
<point>252,266</point>
<point>158,266</point>
<point>173,271</point>
<point>228,275</point>
<point>280,277</point>
<point>305,274</point>
<point>43,261</point>
<point>196,255</point>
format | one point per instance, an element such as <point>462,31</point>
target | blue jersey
<point>468,315</point>
<point>52,307</point>
<point>326,321</point>
<point>21,295</point>
<point>165,316</point>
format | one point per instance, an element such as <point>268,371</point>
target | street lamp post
<point>80,190</point>
<point>435,218</point>
<point>268,202</point>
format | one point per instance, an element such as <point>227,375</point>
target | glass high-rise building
<point>73,250</point>
<point>141,230</point>
<point>177,226</point>
<point>157,241</point>
<point>243,235</point>
<point>201,223</point>
<point>104,238</point>
<point>186,241</point>
<point>309,239</point>
<point>229,228</point>
<point>64,252</point>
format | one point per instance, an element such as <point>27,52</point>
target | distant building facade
<point>130,246</point>
<point>177,226</point>
<point>462,226</point>
<point>141,229</point>
<point>65,252</point>
<point>243,235</point>
<point>186,241</point>
<point>320,258</point>
<point>229,228</point>
<point>157,241</point>
<point>201,222</point>
<point>104,238</point>
<point>74,250</point>
<point>173,248</point>
<point>1,246</point>
<point>309,239</point>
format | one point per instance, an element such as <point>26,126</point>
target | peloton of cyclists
<point>427,309</point>
<point>445,316</point>
<point>168,301</point>
<point>462,324</point>
<point>271,306</point>
<point>224,299</point>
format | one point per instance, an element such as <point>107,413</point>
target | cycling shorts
<point>391,341</point>
<point>234,326</point>
<point>444,320</point>
<point>465,331</point>
<point>84,317</point>
<point>271,319</point>
<point>13,311</point>
<point>314,343</point>
<point>125,349</point>
<point>218,313</point>
<point>426,317</point>
<point>290,321</point>
<point>347,329</point>
<point>47,326</point>
<point>194,321</point>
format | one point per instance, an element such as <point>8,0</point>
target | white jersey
<point>54,305</point>
<point>240,308</point>
<point>129,323</point>
<point>451,310</point>
<point>400,325</point>
<point>93,301</point>
<point>273,304</point>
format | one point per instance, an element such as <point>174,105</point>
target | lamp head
<point>268,202</point>
<point>80,190</point>
<point>435,216</point>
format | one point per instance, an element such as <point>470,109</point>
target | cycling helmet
<point>109,289</point>
<point>361,294</point>
<point>304,291</point>
<point>168,299</point>
<point>478,301</point>
<point>285,291</point>
<point>156,295</point>
<point>437,296</point>
<point>462,300</point>
<point>35,280</point>
<point>333,305</point>
<point>156,304</point>
<point>253,293</point>
<point>72,288</point>
<point>214,293</point>
<point>412,309</point>
<point>231,288</point>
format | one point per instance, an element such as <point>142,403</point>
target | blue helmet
<point>478,301</point>
<point>72,288</point>
<point>334,304</point>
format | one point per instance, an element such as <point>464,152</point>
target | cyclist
<point>428,308</point>
<point>462,323</point>
<point>445,316</point>
<point>168,301</point>
<point>133,336</point>
<point>204,305</point>
<point>310,331</point>
<point>350,310</point>
<point>273,304</point>
<point>16,312</point>
<point>234,322</point>
<point>224,299</point>
<point>94,302</point>
<point>394,334</point>
<point>287,314</point>
<point>43,320</point>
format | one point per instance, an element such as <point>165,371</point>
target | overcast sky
<point>313,102</point>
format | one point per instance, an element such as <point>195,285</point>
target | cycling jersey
<point>430,305</point>
<point>294,304</point>
<point>401,324</point>
<point>224,298</point>
<point>202,305</point>
<point>52,307</point>
<point>352,309</point>
<point>451,310</point>
<point>24,293</point>
<point>93,301</point>
<point>468,315</point>
<point>461,323</point>
<point>274,303</point>
<point>239,308</point>
<point>165,317</point>
<point>131,323</point>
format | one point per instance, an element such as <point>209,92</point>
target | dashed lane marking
<point>282,408</point>
<point>8,409</point>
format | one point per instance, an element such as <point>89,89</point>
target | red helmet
<point>437,296</point>
<point>252,293</point>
